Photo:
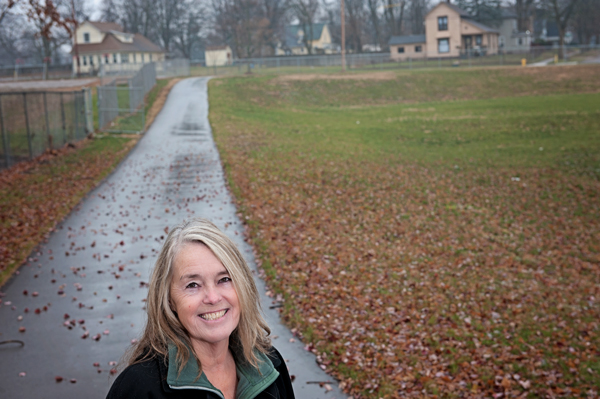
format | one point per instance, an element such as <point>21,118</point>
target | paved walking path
<point>89,279</point>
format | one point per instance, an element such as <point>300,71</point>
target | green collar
<point>251,381</point>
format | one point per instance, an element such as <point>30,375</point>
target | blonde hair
<point>163,326</point>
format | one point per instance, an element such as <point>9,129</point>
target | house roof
<point>294,39</point>
<point>105,27</point>
<point>217,48</point>
<point>466,16</point>
<point>407,39</point>
<point>110,43</point>
<point>459,10</point>
<point>481,26</point>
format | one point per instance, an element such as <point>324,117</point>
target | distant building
<point>319,38</point>
<point>403,47</point>
<point>546,31</point>
<point>371,48</point>
<point>218,56</point>
<point>510,38</point>
<point>449,32</point>
<point>107,43</point>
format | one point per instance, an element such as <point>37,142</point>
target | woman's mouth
<point>213,315</point>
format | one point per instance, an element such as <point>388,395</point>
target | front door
<point>468,42</point>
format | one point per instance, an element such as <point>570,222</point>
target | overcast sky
<point>94,6</point>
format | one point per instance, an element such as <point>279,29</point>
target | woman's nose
<point>211,295</point>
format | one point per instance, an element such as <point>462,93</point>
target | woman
<point>205,336</point>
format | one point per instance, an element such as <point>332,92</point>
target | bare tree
<point>12,35</point>
<point>487,12</point>
<point>561,10</point>
<point>275,12</point>
<point>394,15</point>
<point>373,6</point>
<point>52,28</point>
<point>111,11</point>
<point>169,14</point>
<point>5,8</point>
<point>242,24</point>
<point>417,10</point>
<point>140,16</point>
<point>523,9</point>
<point>355,16</point>
<point>189,27</point>
<point>586,21</point>
<point>306,11</point>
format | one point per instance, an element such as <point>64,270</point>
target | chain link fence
<point>164,69</point>
<point>140,84</point>
<point>32,122</point>
<point>173,68</point>
<point>383,61</point>
<point>126,102</point>
<point>36,72</point>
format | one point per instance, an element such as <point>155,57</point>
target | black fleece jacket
<point>148,380</point>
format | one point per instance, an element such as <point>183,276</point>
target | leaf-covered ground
<point>435,234</point>
<point>35,195</point>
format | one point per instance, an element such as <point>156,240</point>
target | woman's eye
<point>192,285</point>
<point>225,280</point>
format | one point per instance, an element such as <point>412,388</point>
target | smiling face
<point>203,296</point>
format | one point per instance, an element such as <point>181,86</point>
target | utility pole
<point>75,36</point>
<point>343,40</point>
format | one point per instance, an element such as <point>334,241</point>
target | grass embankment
<point>37,194</point>
<point>435,233</point>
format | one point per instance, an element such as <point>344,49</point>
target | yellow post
<point>523,61</point>
<point>556,58</point>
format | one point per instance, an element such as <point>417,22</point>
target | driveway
<point>80,297</point>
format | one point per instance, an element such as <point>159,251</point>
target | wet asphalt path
<point>80,297</point>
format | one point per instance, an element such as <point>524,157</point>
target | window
<point>134,58</point>
<point>142,58</point>
<point>86,37</point>
<point>400,50</point>
<point>478,40</point>
<point>124,58</point>
<point>106,58</point>
<point>443,45</point>
<point>520,42</point>
<point>418,49</point>
<point>84,60</point>
<point>442,23</point>
<point>150,57</point>
<point>91,60</point>
<point>114,58</point>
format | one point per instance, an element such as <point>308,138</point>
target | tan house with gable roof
<point>449,32</point>
<point>107,43</point>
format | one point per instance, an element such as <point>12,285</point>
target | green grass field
<point>428,230</point>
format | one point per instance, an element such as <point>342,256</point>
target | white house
<point>317,35</point>
<point>510,38</point>
<point>107,43</point>
<point>218,56</point>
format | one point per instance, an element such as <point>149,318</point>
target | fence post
<point>27,126</point>
<point>76,105</point>
<point>5,141</point>
<point>62,113</point>
<point>89,113</point>
<point>47,123</point>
